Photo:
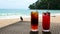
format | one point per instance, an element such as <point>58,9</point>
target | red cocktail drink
<point>46,21</point>
<point>34,21</point>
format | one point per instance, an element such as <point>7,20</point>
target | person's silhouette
<point>21,18</point>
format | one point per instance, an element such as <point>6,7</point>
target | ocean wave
<point>13,16</point>
<point>58,14</point>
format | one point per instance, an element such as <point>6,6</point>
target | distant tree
<point>31,7</point>
<point>46,4</point>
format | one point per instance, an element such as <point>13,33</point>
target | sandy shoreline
<point>5,22</point>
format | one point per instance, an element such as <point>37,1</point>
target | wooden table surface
<point>24,28</point>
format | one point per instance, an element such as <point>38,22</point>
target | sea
<point>16,13</point>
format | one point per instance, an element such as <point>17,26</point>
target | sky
<point>15,4</point>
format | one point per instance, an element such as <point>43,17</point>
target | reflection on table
<point>32,32</point>
<point>46,32</point>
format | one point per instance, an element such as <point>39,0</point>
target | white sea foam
<point>13,16</point>
<point>56,14</point>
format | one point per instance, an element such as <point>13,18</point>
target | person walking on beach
<point>21,18</point>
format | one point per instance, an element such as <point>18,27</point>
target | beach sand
<point>5,22</point>
<point>55,19</point>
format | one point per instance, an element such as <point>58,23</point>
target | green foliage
<point>46,4</point>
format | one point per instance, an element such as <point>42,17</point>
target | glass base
<point>46,30</point>
<point>34,30</point>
